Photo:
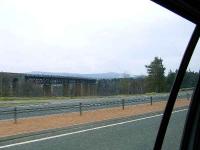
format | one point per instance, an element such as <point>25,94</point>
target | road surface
<point>132,133</point>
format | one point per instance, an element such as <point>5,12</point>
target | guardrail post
<point>15,114</point>
<point>123,102</point>
<point>80,108</point>
<point>151,100</point>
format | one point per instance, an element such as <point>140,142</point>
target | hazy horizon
<point>90,36</point>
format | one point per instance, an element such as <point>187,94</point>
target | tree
<point>170,80</point>
<point>190,79</point>
<point>156,76</point>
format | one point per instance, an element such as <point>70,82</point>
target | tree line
<point>156,81</point>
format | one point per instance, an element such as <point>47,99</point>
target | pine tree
<point>156,76</point>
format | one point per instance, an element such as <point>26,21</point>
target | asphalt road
<point>73,106</point>
<point>133,133</point>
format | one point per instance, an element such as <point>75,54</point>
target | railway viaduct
<point>11,84</point>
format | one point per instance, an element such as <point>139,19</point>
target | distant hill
<point>109,75</point>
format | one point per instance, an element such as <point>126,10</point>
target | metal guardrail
<point>29,111</point>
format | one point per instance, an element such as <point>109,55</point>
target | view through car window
<point>91,74</point>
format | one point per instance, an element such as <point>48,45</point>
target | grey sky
<point>90,36</point>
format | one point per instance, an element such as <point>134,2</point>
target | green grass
<point>18,101</point>
<point>30,98</point>
<point>33,99</point>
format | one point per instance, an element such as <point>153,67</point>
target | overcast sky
<point>90,36</point>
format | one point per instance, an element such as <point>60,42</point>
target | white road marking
<point>86,130</point>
